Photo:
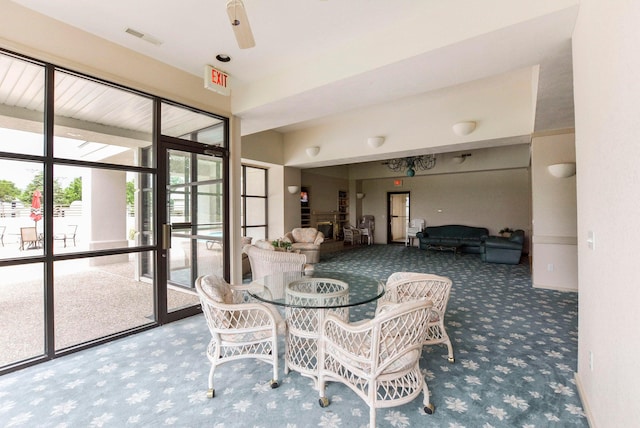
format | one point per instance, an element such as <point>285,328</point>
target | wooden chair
<point>409,286</point>
<point>379,358</point>
<point>28,238</point>
<point>70,235</point>
<point>239,328</point>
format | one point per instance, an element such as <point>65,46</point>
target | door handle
<point>166,236</point>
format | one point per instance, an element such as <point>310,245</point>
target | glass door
<point>193,232</point>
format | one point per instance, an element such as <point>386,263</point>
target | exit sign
<point>216,80</point>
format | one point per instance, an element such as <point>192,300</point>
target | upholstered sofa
<point>307,241</point>
<point>498,249</point>
<point>467,239</point>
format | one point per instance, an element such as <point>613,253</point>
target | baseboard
<point>585,403</point>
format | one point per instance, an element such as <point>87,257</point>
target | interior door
<point>193,221</point>
<point>398,214</point>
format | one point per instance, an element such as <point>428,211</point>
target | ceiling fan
<point>240,24</point>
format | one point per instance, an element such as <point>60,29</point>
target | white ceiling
<point>317,58</point>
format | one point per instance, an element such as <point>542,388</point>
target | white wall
<point>555,253</point>
<point>607,89</point>
<point>494,103</point>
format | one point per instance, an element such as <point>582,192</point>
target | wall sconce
<point>375,142</point>
<point>359,195</point>
<point>460,158</point>
<point>464,128</point>
<point>293,189</point>
<point>562,170</point>
<point>313,151</point>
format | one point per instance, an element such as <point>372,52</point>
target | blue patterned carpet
<point>515,351</point>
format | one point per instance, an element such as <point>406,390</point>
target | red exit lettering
<point>218,78</point>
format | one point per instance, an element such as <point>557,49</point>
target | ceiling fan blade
<point>240,24</point>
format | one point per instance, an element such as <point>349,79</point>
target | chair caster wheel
<point>274,384</point>
<point>211,393</point>
<point>323,401</point>
<point>429,409</point>
<point>451,360</point>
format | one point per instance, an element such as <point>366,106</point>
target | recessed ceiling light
<point>223,57</point>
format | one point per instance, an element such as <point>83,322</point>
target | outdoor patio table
<point>307,299</point>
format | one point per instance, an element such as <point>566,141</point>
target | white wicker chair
<point>379,358</point>
<point>352,235</point>
<point>268,262</point>
<point>407,286</point>
<point>239,329</point>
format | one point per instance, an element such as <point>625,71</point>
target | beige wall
<point>606,70</point>
<point>555,252</point>
<point>491,199</point>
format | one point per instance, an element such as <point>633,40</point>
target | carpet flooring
<point>515,350</point>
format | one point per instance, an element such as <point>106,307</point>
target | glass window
<point>103,295</point>
<point>21,210</point>
<point>22,101</point>
<point>22,318</point>
<point>254,202</point>
<point>96,122</point>
<point>190,125</point>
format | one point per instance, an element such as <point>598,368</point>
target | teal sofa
<point>498,249</point>
<point>467,239</point>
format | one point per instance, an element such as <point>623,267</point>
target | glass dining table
<point>307,298</point>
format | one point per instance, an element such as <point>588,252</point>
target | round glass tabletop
<point>318,289</point>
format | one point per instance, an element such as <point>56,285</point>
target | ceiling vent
<point>145,37</point>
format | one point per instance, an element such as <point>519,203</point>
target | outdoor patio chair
<point>265,260</point>
<point>2,229</point>
<point>378,358</point>
<point>29,238</point>
<point>239,328</point>
<point>408,286</point>
<point>69,235</point>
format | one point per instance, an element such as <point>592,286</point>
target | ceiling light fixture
<point>464,128</point>
<point>312,151</point>
<point>223,57</point>
<point>460,158</point>
<point>562,170</point>
<point>411,163</point>
<point>375,142</point>
<point>240,24</point>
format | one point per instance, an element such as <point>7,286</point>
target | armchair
<point>307,240</point>
<point>239,329</point>
<point>266,261</point>
<point>409,286</point>
<point>379,358</point>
